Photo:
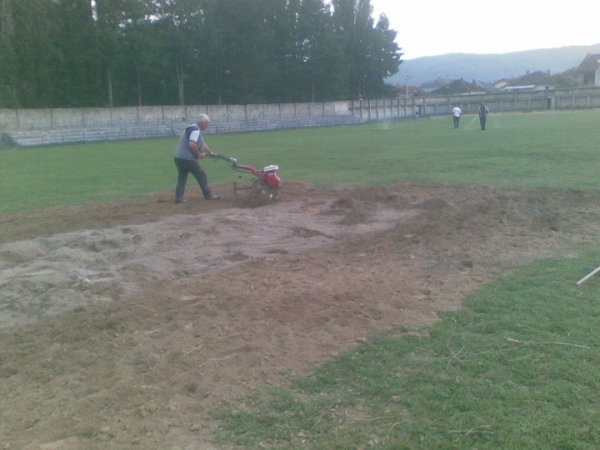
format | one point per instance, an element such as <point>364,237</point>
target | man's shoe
<point>181,200</point>
<point>213,197</point>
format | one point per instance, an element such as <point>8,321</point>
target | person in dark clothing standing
<point>483,113</point>
<point>190,148</point>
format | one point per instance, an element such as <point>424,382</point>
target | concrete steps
<point>153,131</point>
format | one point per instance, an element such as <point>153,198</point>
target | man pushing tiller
<point>190,148</point>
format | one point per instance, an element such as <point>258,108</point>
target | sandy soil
<point>122,324</point>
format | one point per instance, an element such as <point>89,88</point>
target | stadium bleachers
<point>153,131</point>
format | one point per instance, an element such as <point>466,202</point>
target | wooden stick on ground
<point>589,275</point>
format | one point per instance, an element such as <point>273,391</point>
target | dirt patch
<point>123,323</point>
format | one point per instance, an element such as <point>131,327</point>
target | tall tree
<point>73,63</point>
<point>147,52</point>
<point>343,16</point>
<point>370,51</point>
<point>319,51</point>
<point>237,52</point>
<point>112,18</point>
<point>386,57</point>
<point>27,49</point>
<point>8,91</point>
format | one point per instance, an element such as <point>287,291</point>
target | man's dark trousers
<point>184,167</point>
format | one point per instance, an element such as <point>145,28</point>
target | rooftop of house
<point>590,63</point>
<point>458,87</point>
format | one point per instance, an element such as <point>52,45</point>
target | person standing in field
<point>483,113</point>
<point>456,113</point>
<point>190,148</point>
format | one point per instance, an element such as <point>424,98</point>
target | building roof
<point>458,87</point>
<point>537,77</point>
<point>590,63</point>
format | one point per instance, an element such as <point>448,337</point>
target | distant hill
<point>492,67</point>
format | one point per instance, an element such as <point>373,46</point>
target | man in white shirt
<point>456,113</point>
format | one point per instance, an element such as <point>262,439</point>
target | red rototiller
<point>265,182</point>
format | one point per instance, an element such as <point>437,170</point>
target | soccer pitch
<point>413,287</point>
<point>558,150</point>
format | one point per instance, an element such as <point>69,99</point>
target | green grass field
<point>517,368</point>
<point>550,150</point>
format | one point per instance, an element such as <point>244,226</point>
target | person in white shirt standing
<point>456,113</point>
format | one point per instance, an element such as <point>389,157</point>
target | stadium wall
<point>27,127</point>
<point>516,101</point>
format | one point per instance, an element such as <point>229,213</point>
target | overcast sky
<point>436,27</point>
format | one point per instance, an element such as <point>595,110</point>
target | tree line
<point>83,53</point>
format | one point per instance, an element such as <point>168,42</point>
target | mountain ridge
<point>492,67</point>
